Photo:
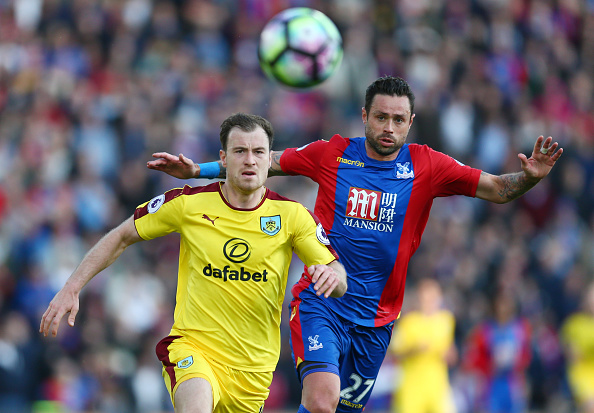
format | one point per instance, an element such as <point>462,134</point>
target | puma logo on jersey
<point>206,217</point>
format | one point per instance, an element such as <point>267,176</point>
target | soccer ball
<point>300,47</point>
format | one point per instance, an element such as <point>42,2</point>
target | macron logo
<point>350,162</point>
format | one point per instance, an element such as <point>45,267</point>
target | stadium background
<point>90,88</point>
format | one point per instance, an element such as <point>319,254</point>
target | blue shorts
<point>328,342</point>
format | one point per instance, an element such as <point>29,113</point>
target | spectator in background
<point>499,354</point>
<point>577,334</point>
<point>21,364</point>
<point>424,346</point>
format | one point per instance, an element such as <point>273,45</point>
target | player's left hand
<point>176,166</point>
<point>544,156</point>
<point>324,278</point>
<point>66,301</point>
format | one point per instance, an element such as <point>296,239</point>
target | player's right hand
<point>176,166</point>
<point>65,301</point>
<point>325,279</point>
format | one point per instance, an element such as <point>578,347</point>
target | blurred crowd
<point>89,89</point>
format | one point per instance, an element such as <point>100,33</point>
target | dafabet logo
<point>237,251</point>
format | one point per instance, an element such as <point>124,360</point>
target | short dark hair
<point>247,123</point>
<point>391,86</point>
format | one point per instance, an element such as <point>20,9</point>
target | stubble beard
<point>378,148</point>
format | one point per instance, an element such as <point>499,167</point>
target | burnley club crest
<point>270,225</point>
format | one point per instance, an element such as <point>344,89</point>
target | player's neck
<point>242,200</point>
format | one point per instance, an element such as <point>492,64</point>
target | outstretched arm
<point>504,188</point>
<point>176,166</point>
<point>184,168</point>
<point>101,256</point>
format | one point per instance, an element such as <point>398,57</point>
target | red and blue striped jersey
<point>374,213</point>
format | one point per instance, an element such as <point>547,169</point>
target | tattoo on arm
<point>275,167</point>
<point>514,185</point>
<point>223,173</point>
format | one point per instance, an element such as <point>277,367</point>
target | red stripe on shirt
<point>174,193</point>
<point>453,180</point>
<point>318,161</point>
<point>296,334</point>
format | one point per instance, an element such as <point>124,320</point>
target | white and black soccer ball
<point>300,47</point>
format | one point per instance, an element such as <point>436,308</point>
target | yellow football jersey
<point>233,268</point>
<point>578,334</point>
<point>424,384</point>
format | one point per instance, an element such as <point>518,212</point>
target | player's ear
<point>364,115</point>
<point>412,116</point>
<point>270,159</point>
<point>223,156</point>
